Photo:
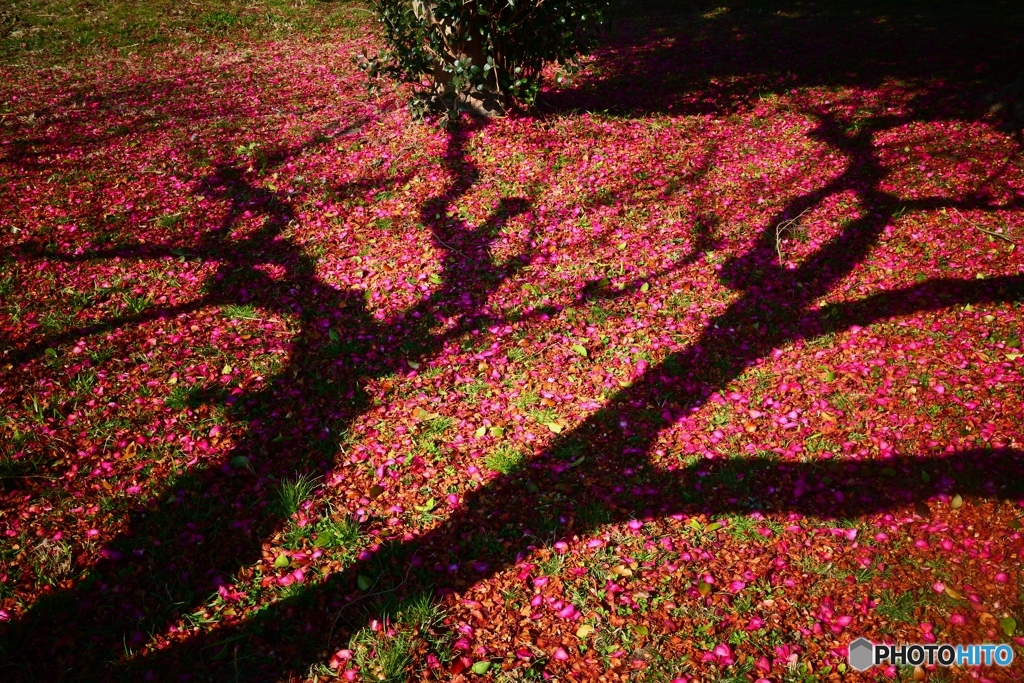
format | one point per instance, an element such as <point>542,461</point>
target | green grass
<point>337,533</point>
<point>897,608</point>
<point>185,396</point>
<point>240,312</point>
<point>505,459</point>
<point>292,493</point>
<point>436,426</point>
<point>384,658</point>
<point>137,304</point>
<point>52,29</point>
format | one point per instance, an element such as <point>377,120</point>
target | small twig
<point>785,225</point>
<point>449,247</point>
<point>981,229</point>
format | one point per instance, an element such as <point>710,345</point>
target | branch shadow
<point>142,586</point>
<point>340,345</point>
<point>613,443</point>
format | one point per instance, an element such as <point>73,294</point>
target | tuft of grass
<point>186,396</point>
<point>420,613</point>
<point>240,312</point>
<point>384,658</point>
<point>337,533</point>
<point>137,304</point>
<point>435,427</point>
<point>897,607</point>
<point>83,381</point>
<point>425,619</point>
<point>526,399</point>
<point>505,459</point>
<point>292,493</point>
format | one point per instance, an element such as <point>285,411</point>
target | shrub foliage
<point>481,54</point>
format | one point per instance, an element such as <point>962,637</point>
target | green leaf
<point>364,582</point>
<point>1009,625</point>
<point>957,502</point>
<point>435,279</point>
<point>580,350</point>
<point>889,471</point>
<point>703,588</point>
<point>714,526</point>
<point>1016,524</point>
<point>497,432</point>
<point>925,477</point>
<point>641,630</point>
<point>830,376</point>
<point>240,462</point>
<point>480,431</point>
<point>333,334</point>
<point>481,667</point>
<point>323,540</point>
<point>282,561</point>
<point>645,286</point>
<point>554,427</point>
<point>50,353</point>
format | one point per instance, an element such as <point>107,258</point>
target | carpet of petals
<point>700,370</point>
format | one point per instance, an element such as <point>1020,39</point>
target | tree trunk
<point>489,102</point>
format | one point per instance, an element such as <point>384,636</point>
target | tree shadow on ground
<point>706,57</point>
<point>339,346</point>
<point>81,633</point>
<point>605,458</point>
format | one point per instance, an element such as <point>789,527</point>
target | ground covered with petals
<point>702,369</point>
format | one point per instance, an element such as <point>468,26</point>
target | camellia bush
<point>481,54</point>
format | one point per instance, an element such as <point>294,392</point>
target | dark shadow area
<point>82,634</point>
<point>288,434</point>
<point>711,57</point>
